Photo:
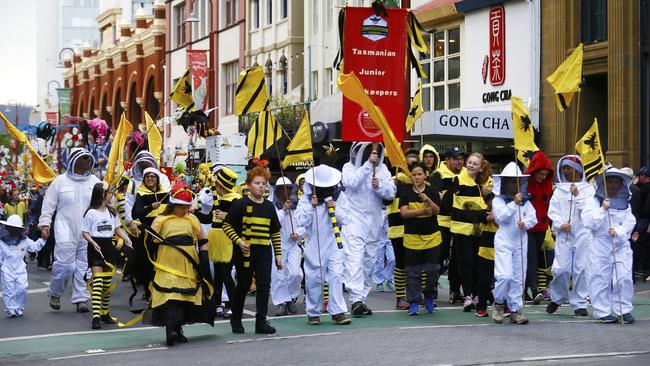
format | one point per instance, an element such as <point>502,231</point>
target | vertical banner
<point>64,95</point>
<point>198,60</point>
<point>497,45</point>
<point>52,118</point>
<point>375,50</point>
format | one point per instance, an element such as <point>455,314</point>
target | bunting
<point>566,79</point>
<point>524,132</point>
<point>300,148</point>
<point>41,172</point>
<point>251,95</point>
<point>590,150</point>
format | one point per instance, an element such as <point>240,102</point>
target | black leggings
<point>467,248</point>
<point>223,278</point>
<point>261,260</point>
<point>484,282</point>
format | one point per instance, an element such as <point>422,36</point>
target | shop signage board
<point>489,124</point>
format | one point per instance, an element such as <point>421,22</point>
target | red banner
<point>497,45</point>
<point>375,50</point>
<point>52,118</point>
<point>198,60</point>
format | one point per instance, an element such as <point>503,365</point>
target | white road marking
<point>583,355</point>
<point>107,353</point>
<point>444,326</point>
<point>271,338</point>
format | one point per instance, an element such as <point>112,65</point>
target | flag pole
<point>521,238</point>
<point>286,193</point>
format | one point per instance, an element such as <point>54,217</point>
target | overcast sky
<point>18,56</point>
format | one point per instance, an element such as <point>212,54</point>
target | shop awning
<point>436,10</point>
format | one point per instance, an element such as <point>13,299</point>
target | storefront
<point>482,54</point>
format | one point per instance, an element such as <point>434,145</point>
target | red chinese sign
<point>375,50</point>
<point>497,45</point>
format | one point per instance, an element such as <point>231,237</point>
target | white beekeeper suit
<point>321,248</point>
<point>142,160</point>
<point>13,269</point>
<point>69,196</point>
<point>611,274</point>
<point>285,283</point>
<point>365,219</point>
<point>571,260</point>
<point>510,242</point>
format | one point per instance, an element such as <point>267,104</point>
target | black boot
<point>180,338</point>
<point>263,327</point>
<point>236,325</point>
<point>172,336</point>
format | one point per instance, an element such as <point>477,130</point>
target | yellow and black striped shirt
<point>255,223</point>
<point>442,180</point>
<point>420,232</point>
<point>486,245</point>
<point>468,207</point>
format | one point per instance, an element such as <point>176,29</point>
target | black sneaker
<point>527,298</point>
<point>264,328</point>
<point>107,319</point>
<point>97,324</point>
<point>180,337</point>
<point>366,310</point>
<point>55,302</point>
<point>82,307</point>
<point>171,336</point>
<point>358,309</point>
<point>628,318</point>
<point>552,307</point>
<point>581,312</point>
<point>236,325</point>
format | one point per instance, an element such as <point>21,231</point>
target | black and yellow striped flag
<point>264,132</point>
<point>300,148</point>
<point>182,92</point>
<point>251,95</point>
<point>590,150</point>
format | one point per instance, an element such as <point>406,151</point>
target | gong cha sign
<point>375,50</point>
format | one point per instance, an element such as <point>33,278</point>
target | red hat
<point>181,194</point>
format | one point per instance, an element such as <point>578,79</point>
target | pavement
<point>389,337</point>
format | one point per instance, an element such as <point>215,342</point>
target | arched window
<point>268,73</point>
<point>151,104</point>
<point>117,108</point>
<point>282,70</point>
<point>135,114</point>
<point>103,112</point>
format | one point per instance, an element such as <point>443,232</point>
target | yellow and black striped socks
<point>96,296</point>
<point>326,292</point>
<point>400,282</point>
<point>106,295</point>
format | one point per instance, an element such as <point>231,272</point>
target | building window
<point>231,73</point>
<point>331,84</point>
<point>269,12</point>
<point>441,83</point>
<point>179,24</point>
<point>255,10</point>
<point>202,9</point>
<point>329,11</point>
<point>231,11</point>
<point>314,85</point>
<point>314,17</point>
<point>284,80</point>
<point>593,20</point>
<point>285,9</point>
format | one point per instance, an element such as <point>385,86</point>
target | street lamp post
<point>74,78</point>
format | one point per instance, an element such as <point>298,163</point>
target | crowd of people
<point>196,251</point>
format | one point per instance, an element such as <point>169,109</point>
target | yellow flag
<point>251,95</point>
<point>182,92</point>
<point>590,150</point>
<point>41,172</point>
<point>416,110</point>
<point>264,132</point>
<point>300,148</point>
<point>154,137</point>
<point>566,79</point>
<point>352,89</point>
<point>524,134</point>
<point>116,156</point>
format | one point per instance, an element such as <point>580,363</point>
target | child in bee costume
<point>285,283</point>
<point>609,217</point>
<point>514,215</point>
<point>14,244</point>
<point>573,238</point>
<point>323,257</point>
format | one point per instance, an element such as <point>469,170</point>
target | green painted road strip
<point>75,343</point>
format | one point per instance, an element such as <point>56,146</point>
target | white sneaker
<point>468,304</point>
